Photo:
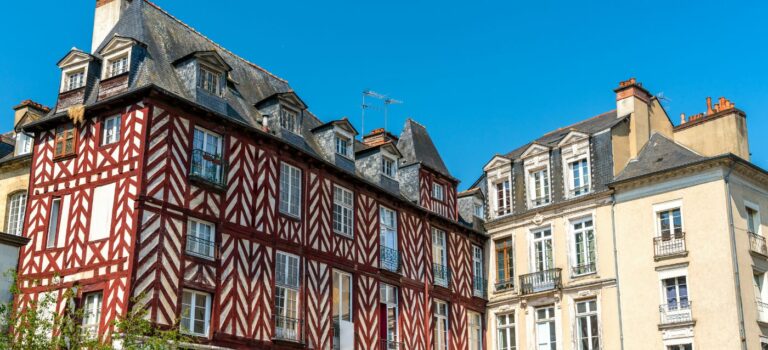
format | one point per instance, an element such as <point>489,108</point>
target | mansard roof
<point>659,154</point>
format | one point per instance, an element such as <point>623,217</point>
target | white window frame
<point>343,145</point>
<point>288,119</point>
<point>120,62</point>
<point>54,219</point>
<point>674,272</point>
<point>388,167</point>
<point>291,182</point>
<point>588,313</point>
<point>194,295</point>
<point>571,178</point>
<point>24,144</point>
<point>110,129</point>
<point>506,190</point>
<point>758,221</point>
<point>545,188</point>
<point>479,210</point>
<point>441,325</point>
<point>338,285</point>
<point>69,74</point>
<point>343,211</point>
<point>204,72</point>
<point>440,254</point>
<point>761,294</point>
<point>550,319</point>
<point>574,232</point>
<point>17,206</point>
<point>92,309</point>
<point>290,291</point>
<point>477,270</point>
<point>438,191</point>
<point>193,230</point>
<point>207,140</point>
<point>534,241</point>
<point>475,329</point>
<point>389,297</point>
<point>509,328</point>
<point>664,207</point>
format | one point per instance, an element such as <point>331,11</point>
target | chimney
<point>108,12</point>
<point>709,105</point>
<point>624,96</point>
<point>28,106</point>
<point>682,118</point>
<point>378,137</point>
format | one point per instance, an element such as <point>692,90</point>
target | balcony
<point>671,246</point>
<point>762,310</point>
<point>584,269</point>
<point>502,285</point>
<point>390,259</point>
<point>208,168</point>
<point>479,287</point>
<point>442,275</point>
<point>541,281</point>
<point>676,313</point>
<point>391,345</point>
<point>757,243</point>
<point>288,329</point>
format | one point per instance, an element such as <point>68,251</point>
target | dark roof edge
<point>13,240</point>
<point>728,156</point>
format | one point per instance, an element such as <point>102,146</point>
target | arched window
<point>17,204</point>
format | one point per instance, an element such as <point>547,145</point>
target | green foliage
<point>39,327</point>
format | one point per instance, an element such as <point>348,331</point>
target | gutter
<point>616,269</point>
<point>734,259</point>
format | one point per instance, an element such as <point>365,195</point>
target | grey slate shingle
<point>659,154</point>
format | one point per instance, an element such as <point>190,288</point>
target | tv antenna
<point>387,102</point>
<point>373,94</point>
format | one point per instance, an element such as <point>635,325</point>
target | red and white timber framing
<point>144,252</point>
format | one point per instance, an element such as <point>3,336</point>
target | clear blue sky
<point>484,77</point>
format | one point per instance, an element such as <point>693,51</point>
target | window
<point>343,145</point>
<point>503,198</point>
<point>388,167</point>
<point>676,293</point>
<point>579,171</point>
<point>390,259</point>
<point>287,296</point>
<point>479,211</point>
<point>542,250</point>
<point>206,156</point>
<point>753,221</point>
<point>390,302</point>
<point>91,313</point>
<point>342,211</point>
<point>539,182</point>
<point>505,328</point>
<point>118,66</point>
<point>477,271</point>
<point>760,296</point>
<point>342,296</point>
<point>75,80</point>
<point>200,238</point>
<point>65,141</point>
<point>504,268</point>
<point>583,247</point>
<point>103,201</point>
<point>546,337</point>
<point>288,120</point>
<point>440,325</point>
<point>23,143</point>
<point>53,223</point>
<point>17,204</point>
<point>586,323</point>
<point>209,81</point>
<point>680,347</point>
<point>110,131</point>
<point>438,191</point>
<point>440,268</point>
<point>670,224</point>
<point>290,190</point>
<point>475,331</point>
<point>195,313</point>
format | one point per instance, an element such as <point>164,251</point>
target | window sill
<point>72,90</point>
<point>682,254</point>
<point>210,185</point>
<point>114,77</point>
<point>585,274</point>
<point>196,256</point>
<point>289,216</point>
<point>677,325</point>
<point>344,235</point>
<point>64,156</point>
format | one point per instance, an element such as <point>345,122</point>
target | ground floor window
<point>440,322</point>
<point>475,331</point>
<point>546,336</point>
<point>91,313</point>
<point>586,322</point>
<point>195,313</point>
<point>505,326</point>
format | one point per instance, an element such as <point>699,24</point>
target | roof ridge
<point>213,42</point>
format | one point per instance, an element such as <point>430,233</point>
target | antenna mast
<point>387,101</point>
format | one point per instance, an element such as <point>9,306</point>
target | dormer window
<point>75,80</point>
<point>574,150</point>
<point>578,172</point>
<point>503,198</point>
<point>209,80</point>
<point>117,66</point>
<point>288,120</point>
<point>539,187</point>
<point>388,166</point>
<point>23,144</point>
<point>343,145</point>
<point>438,191</point>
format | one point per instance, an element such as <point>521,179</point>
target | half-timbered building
<point>176,176</point>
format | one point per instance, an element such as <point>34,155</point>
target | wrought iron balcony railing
<point>390,259</point>
<point>209,168</point>
<point>674,313</point>
<point>442,275</point>
<point>762,310</point>
<point>541,281</point>
<point>502,285</point>
<point>391,345</point>
<point>289,329</point>
<point>669,245</point>
<point>757,243</point>
<point>479,287</point>
<point>584,269</point>
<point>200,247</point>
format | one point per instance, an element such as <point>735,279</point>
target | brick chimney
<point>634,102</point>
<point>721,129</point>
<point>378,137</point>
<point>108,12</point>
<point>28,106</point>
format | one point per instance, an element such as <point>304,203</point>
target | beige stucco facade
<point>14,178</point>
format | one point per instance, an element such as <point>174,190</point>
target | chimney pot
<point>709,105</point>
<point>378,137</point>
<point>682,118</point>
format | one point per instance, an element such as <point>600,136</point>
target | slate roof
<point>659,154</point>
<point>588,126</point>
<point>417,147</point>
